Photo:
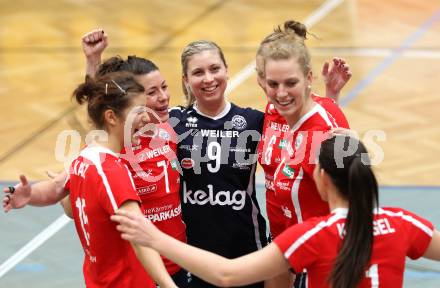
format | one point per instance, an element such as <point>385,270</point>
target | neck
<point>335,200</point>
<point>112,143</point>
<point>211,109</point>
<point>308,105</point>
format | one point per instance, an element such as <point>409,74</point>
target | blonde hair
<point>285,43</point>
<point>190,50</point>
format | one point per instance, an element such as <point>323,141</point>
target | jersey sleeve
<point>118,187</point>
<point>298,248</point>
<point>420,234</point>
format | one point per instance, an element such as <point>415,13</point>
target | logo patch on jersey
<point>238,122</point>
<point>298,141</point>
<point>189,147</point>
<point>269,184</point>
<point>164,134</point>
<point>187,163</point>
<point>282,185</point>
<point>241,166</point>
<point>174,164</point>
<point>143,174</point>
<point>283,143</point>
<point>137,147</point>
<point>147,189</point>
<point>288,171</point>
<point>234,199</point>
<point>286,212</point>
<point>192,122</point>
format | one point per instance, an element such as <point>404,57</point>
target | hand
<point>51,174</point>
<point>19,198</point>
<point>94,43</point>
<point>135,228</point>
<point>335,77</point>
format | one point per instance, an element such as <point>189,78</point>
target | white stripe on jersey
<point>129,176</point>
<point>255,211</point>
<point>407,218</point>
<point>305,118</point>
<point>325,116</point>
<point>294,195</point>
<point>341,213</point>
<point>309,234</point>
<point>93,154</point>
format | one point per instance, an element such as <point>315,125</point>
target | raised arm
<point>93,44</point>
<point>42,193</point>
<point>149,258</point>
<point>255,267</point>
<point>335,77</point>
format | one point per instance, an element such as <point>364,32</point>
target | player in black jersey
<point>217,152</point>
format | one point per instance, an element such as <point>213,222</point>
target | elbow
<point>225,277</point>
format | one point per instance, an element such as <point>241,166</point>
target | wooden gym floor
<point>392,47</point>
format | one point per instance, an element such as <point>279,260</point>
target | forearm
<point>195,260</point>
<point>331,93</point>
<point>48,192</point>
<point>153,264</point>
<point>92,64</point>
<point>218,270</point>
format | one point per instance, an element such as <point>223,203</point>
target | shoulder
<point>177,111</point>
<point>304,235</point>
<point>247,111</point>
<point>407,217</point>
<point>324,100</point>
<point>246,118</point>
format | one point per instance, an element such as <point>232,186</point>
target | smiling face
<point>288,88</point>
<point>206,76</point>
<point>133,118</point>
<point>158,96</point>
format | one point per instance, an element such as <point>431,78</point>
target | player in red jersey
<point>99,184</point>
<point>275,127</point>
<point>283,208</point>
<point>153,162</point>
<point>337,250</point>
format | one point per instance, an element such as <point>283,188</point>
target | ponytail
<point>112,91</point>
<point>357,184</point>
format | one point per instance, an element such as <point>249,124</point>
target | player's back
<point>315,244</point>
<point>99,184</point>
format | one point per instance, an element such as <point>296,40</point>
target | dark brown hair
<point>133,64</point>
<point>112,91</point>
<point>355,180</point>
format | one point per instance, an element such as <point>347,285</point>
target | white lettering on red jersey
<point>99,183</point>
<point>272,145</point>
<point>314,244</point>
<point>156,174</point>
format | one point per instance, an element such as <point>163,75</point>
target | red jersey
<point>270,149</point>
<point>155,171</point>
<point>314,244</point>
<point>99,183</point>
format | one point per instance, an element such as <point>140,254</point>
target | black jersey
<point>218,159</point>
